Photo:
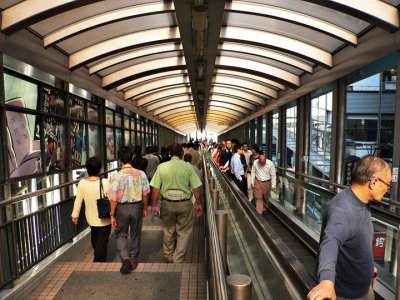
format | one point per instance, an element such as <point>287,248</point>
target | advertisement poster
<point>76,107</point>
<point>110,143</point>
<point>53,129</point>
<point>76,143</point>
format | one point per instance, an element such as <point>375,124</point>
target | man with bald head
<point>263,179</point>
<point>345,266</point>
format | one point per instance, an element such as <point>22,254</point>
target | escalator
<point>283,246</point>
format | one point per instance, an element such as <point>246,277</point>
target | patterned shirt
<point>128,185</point>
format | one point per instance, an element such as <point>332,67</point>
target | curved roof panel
<point>199,65</point>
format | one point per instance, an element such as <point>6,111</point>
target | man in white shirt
<point>247,153</point>
<point>263,179</point>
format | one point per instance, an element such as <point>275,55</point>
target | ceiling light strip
<point>232,63</point>
<point>174,92</point>
<point>376,12</point>
<point>252,77</point>
<point>121,43</point>
<point>277,41</point>
<point>156,66</point>
<point>27,13</point>
<point>137,53</point>
<point>155,85</point>
<point>220,79</point>
<point>149,78</point>
<point>161,103</point>
<point>266,53</point>
<point>229,106</point>
<point>106,18</point>
<point>171,107</point>
<point>292,17</point>
<point>176,111</point>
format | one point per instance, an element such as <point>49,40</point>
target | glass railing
<point>308,204</point>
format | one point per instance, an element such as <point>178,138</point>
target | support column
<point>281,155</point>
<point>338,131</point>
<point>395,192</point>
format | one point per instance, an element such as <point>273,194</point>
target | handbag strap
<point>101,187</point>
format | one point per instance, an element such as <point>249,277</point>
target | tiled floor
<point>193,272</point>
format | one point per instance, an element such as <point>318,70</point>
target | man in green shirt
<point>176,180</point>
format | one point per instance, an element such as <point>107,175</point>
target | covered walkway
<point>74,275</point>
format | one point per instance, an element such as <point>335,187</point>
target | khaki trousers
<point>262,190</point>
<point>178,218</point>
<point>249,188</point>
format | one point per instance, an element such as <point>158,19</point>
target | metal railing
<point>218,288</point>
<point>27,240</point>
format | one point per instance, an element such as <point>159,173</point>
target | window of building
<point>291,121</point>
<point>275,135</point>
<point>320,134</point>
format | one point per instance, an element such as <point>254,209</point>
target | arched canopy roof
<point>200,64</point>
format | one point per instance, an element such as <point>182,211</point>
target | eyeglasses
<point>388,184</point>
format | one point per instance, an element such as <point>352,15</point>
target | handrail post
<point>239,287</point>
<point>221,220</point>
<point>215,198</point>
<point>212,183</point>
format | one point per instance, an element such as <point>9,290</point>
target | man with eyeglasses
<point>345,266</point>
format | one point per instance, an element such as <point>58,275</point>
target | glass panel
<point>133,141</point>
<point>118,119</point>
<point>320,139</point>
<point>118,138</point>
<point>24,155</point>
<point>77,151</point>
<point>126,122</point>
<point>291,121</point>
<point>370,111</point>
<point>264,135</point>
<point>76,107</point>
<point>109,117</point>
<point>126,138</point>
<point>133,126</point>
<point>55,141</point>
<point>20,93</point>
<point>384,249</point>
<point>275,130</point>
<point>93,112</point>
<point>110,143</point>
<point>94,141</point>
<point>53,100</point>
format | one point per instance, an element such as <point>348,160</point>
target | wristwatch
<point>111,215</point>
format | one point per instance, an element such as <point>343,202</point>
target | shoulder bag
<point>103,203</point>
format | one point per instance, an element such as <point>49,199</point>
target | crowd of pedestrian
<point>252,172</point>
<point>166,179</point>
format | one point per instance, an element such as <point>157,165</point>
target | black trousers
<point>242,185</point>
<point>99,239</point>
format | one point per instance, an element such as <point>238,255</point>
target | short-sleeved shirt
<point>175,175</point>
<point>128,185</point>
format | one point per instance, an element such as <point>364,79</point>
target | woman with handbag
<point>90,190</point>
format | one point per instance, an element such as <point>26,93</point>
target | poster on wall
<point>23,150</point>
<point>76,107</point>
<point>92,112</point>
<point>53,102</point>
<point>110,143</point>
<point>55,144</point>
<point>94,143</point>
<point>77,143</point>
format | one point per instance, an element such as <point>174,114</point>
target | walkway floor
<point>75,276</point>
